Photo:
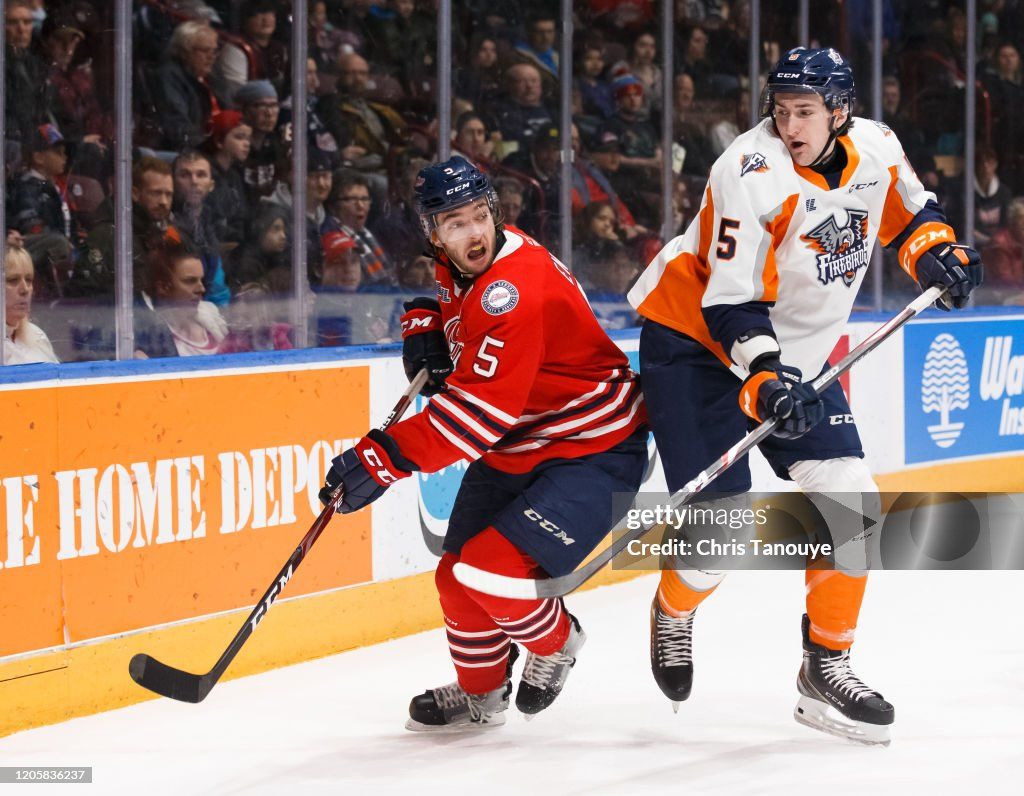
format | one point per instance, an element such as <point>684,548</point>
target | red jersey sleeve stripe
<point>453,403</point>
<point>468,420</point>
<point>493,411</point>
<point>573,403</point>
<point>454,425</point>
<point>454,439</point>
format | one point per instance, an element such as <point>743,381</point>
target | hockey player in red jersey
<point>743,310</point>
<point>527,387</point>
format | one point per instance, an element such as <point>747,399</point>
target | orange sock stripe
<point>833,605</point>
<point>675,597</point>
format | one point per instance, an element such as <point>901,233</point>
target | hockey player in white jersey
<point>742,311</point>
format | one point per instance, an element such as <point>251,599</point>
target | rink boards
<point>146,505</point>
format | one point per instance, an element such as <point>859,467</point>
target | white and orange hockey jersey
<point>775,239</point>
<point>536,377</point>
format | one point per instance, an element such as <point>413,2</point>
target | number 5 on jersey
<point>486,363</point>
<point>726,241</point>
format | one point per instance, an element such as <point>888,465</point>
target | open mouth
<point>797,146</point>
<point>476,254</point>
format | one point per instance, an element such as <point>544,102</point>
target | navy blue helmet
<point>820,71</point>
<point>445,186</point>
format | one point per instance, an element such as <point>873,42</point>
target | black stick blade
<point>167,681</point>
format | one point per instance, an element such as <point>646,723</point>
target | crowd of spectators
<point>212,181</point>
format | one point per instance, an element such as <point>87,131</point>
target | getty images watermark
<point>843,530</point>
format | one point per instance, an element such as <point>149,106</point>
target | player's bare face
<point>803,124</point>
<point>468,237</point>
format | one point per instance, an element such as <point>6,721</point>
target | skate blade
<point>463,728</point>
<point>824,718</point>
<point>675,706</point>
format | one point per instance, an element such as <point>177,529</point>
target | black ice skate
<point>448,708</point>
<point>834,700</point>
<point>672,653</point>
<point>544,676</point>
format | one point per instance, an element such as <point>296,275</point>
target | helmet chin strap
<point>833,134</point>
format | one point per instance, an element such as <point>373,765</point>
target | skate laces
<point>451,696</point>
<point>675,639</point>
<point>540,670</point>
<point>836,669</point>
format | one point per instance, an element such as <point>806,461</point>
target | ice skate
<point>834,700</point>
<point>449,709</point>
<point>544,676</point>
<point>672,653</point>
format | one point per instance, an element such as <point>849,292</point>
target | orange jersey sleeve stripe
<point>777,228</point>
<point>895,216</point>
<point>927,235</point>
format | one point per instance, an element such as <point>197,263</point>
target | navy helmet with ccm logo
<point>445,186</point>
<point>805,71</point>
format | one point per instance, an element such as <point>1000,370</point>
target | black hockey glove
<point>367,470</point>
<point>953,266</point>
<point>775,390</point>
<point>424,344</point>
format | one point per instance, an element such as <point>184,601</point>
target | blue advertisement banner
<point>963,389</point>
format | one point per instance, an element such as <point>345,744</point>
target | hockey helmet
<point>819,71</point>
<point>445,186</point>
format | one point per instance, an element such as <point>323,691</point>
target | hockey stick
<point>531,589</point>
<point>187,687</point>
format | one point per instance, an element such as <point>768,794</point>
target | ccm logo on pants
<point>838,420</point>
<point>549,526</point>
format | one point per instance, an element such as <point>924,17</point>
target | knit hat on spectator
<point>62,23</point>
<point>547,136</point>
<point>255,91</point>
<point>319,160</point>
<point>336,244</point>
<point>222,123</point>
<point>46,136</point>
<point>605,141</point>
<point>625,85</point>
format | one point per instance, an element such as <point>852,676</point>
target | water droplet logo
<point>945,387</point>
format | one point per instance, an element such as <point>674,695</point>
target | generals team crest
<point>841,250</point>
<point>753,163</point>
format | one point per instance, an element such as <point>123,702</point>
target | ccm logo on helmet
<point>785,75</point>
<point>457,188</point>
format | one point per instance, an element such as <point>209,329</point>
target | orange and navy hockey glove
<point>424,344</point>
<point>953,266</point>
<point>775,390</point>
<point>366,470</point>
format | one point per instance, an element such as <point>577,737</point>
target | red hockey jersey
<point>536,377</point>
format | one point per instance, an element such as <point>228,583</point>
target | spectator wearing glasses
<point>182,92</point>
<point>260,108</point>
<point>350,205</point>
<point>522,114</point>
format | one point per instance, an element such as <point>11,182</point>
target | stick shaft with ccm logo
<point>184,686</point>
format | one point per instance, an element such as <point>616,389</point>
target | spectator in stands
<point>693,60</point>
<point>264,257</point>
<point>470,140</point>
<point>991,197</point>
<point>25,342</point>
<point>27,96</point>
<point>698,155</point>
<point>641,150</point>
<point>270,57</point>
<point>510,199</point>
<point>595,92</point>
<point>366,130</point>
<point>350,204</point>
<point>479,81</point>
<point>1007,92</point>
<point>410,45</point>
<point>250,323</point>
<point>76,107</point>
<point>724,131</point>
<point>590,185</point>
<point>228,147</point>
<point>317,134</point>
<point>195,215</point>
<point>1004,260</point>
<point>183,95</point>
<point>522,113</point>
<point>38,209</point>
<point>539,48</point>
<point>152,197</point>
<point>398,226</point>
<point>260,110</point>
<point>417,274</point>
<point>910,134</point>
<point>540,163</point>
<point>173,291</point>
<point>342,268</point>
<point>641,64</point>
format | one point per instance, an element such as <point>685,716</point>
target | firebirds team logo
<point>841,250</point>
<point>753,163</point>
<point>500,297</point>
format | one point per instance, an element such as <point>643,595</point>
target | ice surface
<point>945,648</point>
